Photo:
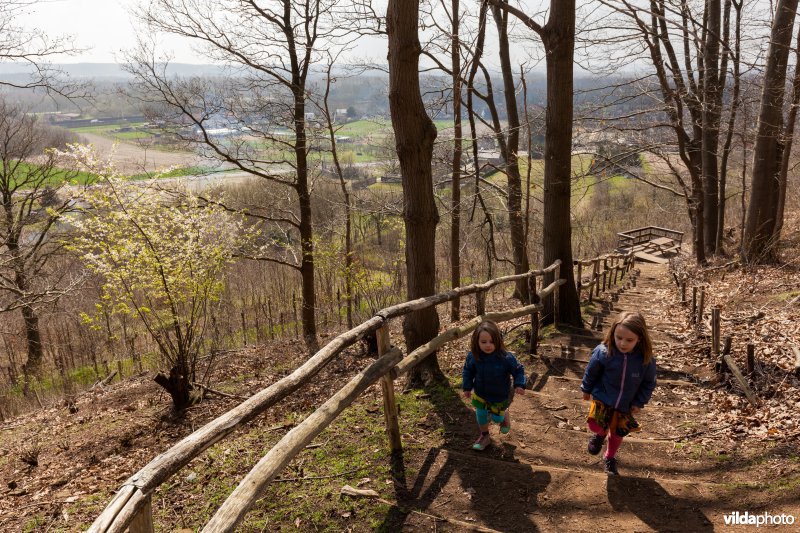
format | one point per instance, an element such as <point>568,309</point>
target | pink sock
<point>596,429</point>
<point>614,442</point>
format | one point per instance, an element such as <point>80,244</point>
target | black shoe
<point>610,466</point>
<point>595,444</point>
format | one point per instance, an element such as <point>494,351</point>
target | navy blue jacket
<point>489,376</point>
<point>619,381</point>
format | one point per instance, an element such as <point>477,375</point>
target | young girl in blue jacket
<point>486,379</point>
<point>620,378</point>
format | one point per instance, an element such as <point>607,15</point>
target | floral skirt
<point>612,420</point>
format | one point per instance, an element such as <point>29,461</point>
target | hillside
<point>704,451</point>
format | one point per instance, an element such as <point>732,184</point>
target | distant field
<point>363,128</point>
<point>55,177</point>
<point>109,129</point>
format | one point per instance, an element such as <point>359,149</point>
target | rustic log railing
<point>631,238</point>
<point>131,506</point>
<point>607,270</point>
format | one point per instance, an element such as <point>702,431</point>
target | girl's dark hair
<point>634,321</point>
<point>497,338</point>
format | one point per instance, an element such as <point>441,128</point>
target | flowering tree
<point>160,260</point>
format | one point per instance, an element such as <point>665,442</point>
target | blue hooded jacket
<point>621,380</point>
<point>489,376</point>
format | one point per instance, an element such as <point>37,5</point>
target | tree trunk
<point>712,99</point>
<point>179,386</point>
<point>33,339</point>
<point>306,230</point>
<point>788,140</point>
<point>758,244</point>
<point>734,108</point>
<point>514,191</point>
<point>414,137</point>
<point>559,41</point>
<point>455,224</point>
<point>348,225</point>
<point>696,205</point>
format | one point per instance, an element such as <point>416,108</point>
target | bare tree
<point>788,138</point>
<point>414,134</point>
<point>272,46</point>
<point>32,201</point>
<point>758,240</point>
<point>558,38</point>
<point>348,208</point>
<point>455,224</point>
<point>509,147</point>
<point>34,48</point>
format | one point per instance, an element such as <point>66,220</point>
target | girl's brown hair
<point>634,321</point>
<point>497,338</point>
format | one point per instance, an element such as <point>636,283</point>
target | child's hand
<point>519,390</point>
<point>635,409</point>
<point>467,394</point>
<point>587,396</point>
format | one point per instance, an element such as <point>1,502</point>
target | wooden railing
<point>631,238</point>
<point>131,506</point>
<point>606,271</point>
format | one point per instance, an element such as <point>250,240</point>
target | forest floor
<point>703,454</point>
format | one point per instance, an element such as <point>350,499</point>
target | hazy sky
<point>104,26</point>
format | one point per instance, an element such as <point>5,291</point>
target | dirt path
<point>540,477</point>
<point>133,159</point>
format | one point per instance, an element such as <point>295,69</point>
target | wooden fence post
<point>693,318</point>
<point>556,294</point>
<point>533,346</point>
<point>683,292</point>
<point>596,277</point>
<point>480,303</point>
<point>143,521</point>
<point>715,332</point>
<point>720,365</point>
<point>751,358</point>
<point>605,273</point>
<point>389,403</point>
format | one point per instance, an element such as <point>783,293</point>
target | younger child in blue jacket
<point>620,378</point>
<point>487,376</point>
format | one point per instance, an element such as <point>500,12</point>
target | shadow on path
<point>655,506</point>
<point>465,485</point>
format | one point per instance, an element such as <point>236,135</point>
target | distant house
<point>310,116</point>
<point>341,112</point>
